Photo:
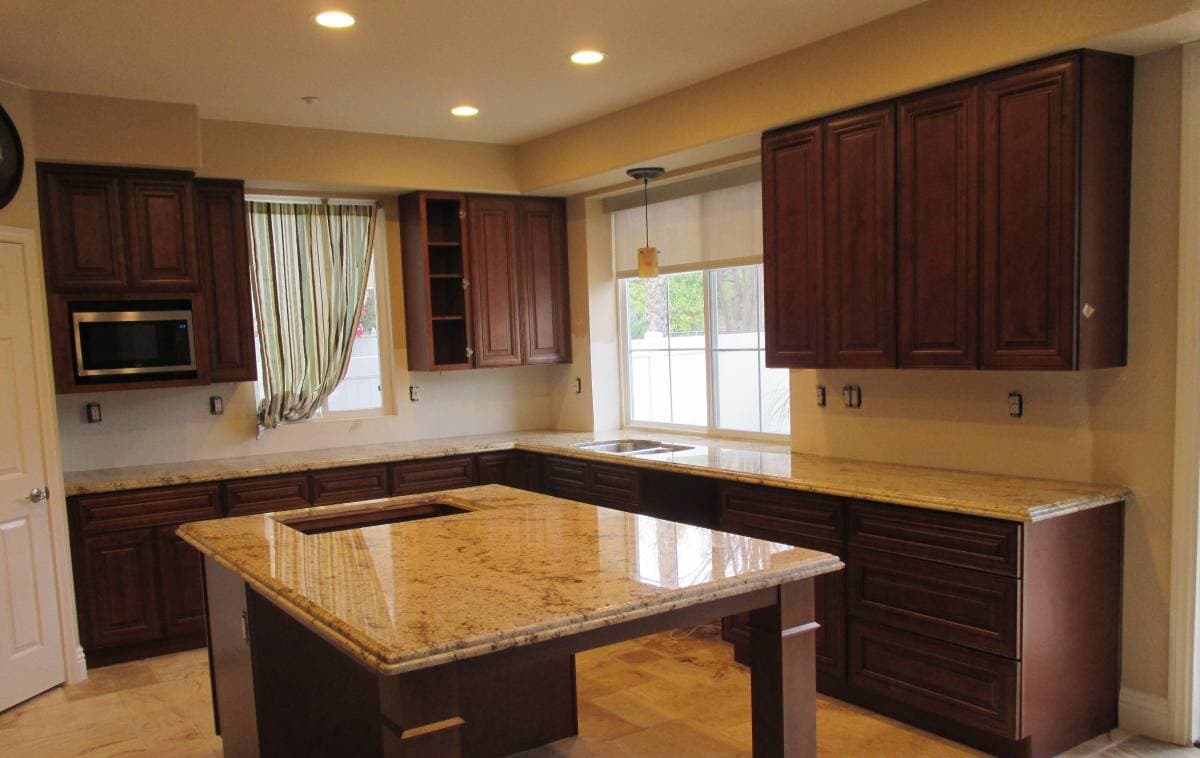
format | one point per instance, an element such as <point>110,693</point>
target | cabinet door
<point>546,309</point>
<point>162,233</point>
<point>221,230</point>
<point>938,245</point>
<point>1029,174</point>
<point>493,227</point>
<point>180,569</point>
<point>121,581</point>
<point>498,468</point>
<point>860,251</point>
<point>82,229</point>
<point>793,254</point>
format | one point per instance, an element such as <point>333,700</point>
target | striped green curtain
<point>309,266</point>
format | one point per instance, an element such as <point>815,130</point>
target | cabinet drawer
<point>346,485</point>
<point>153,507</point>
<point>427,476</point>
<point>266,493</point>
<point>615,484</point>
<point>564,475</point>
<point>972,608</point>
<point>947,682</point>
<point>968,541</point>
<point>783,514</point>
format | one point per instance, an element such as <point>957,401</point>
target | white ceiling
<point>406,62</point>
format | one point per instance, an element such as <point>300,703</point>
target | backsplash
<point>167,425</point>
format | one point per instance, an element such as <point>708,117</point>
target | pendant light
<point>647,256</point>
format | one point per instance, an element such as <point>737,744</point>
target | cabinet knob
<point>462,213</point>
<point>466,283</point>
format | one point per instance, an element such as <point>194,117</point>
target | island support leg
<point>783,692</point>
<point>421,714</point>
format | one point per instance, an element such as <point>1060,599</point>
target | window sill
<point>699,431</point>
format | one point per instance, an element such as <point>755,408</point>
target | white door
<point>31,654</point>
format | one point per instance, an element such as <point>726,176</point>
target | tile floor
<point>671,694</point>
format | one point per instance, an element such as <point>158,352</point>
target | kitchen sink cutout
<point>338,522</point>
<point>631,447</point>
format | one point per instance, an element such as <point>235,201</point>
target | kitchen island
<point>446,623</point>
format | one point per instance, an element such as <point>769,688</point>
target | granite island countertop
<point>990,495</point>
<point>517,568</point>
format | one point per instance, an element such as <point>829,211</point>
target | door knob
<point>38,494</point>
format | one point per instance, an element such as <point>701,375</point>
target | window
<point>361,391</point>
<point>695,353</point>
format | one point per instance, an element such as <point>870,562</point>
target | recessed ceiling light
<point>464,111</point>
<point>334,19</point>
<point>587,57</point>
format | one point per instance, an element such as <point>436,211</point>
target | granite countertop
<point>989,495</point>
<point>518,568</point>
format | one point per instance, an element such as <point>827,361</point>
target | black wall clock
<point>12,159</point>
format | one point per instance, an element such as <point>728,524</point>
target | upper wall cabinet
<point>485,281</point>
<point>124,239</point>
<point>221,235</point>
<point>937,226</point>
<point>860,255</point>
<point>988,228</point>
<point>118,229</point>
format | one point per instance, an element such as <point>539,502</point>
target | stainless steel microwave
<point>126,343</point>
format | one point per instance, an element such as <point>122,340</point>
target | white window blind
<point>717,228</point>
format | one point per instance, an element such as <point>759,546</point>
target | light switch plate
<point>216,405</point>
<point>1016,404</point>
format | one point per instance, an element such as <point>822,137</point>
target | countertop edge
<point>362,648</point>
<point>1104,495</point>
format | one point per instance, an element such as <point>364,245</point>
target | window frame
<point>383,302</point>
<point>709,429</point>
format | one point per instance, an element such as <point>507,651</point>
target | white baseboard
<point>77,668</point>
<point>1146,714</point>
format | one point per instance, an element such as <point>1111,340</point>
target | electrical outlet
<point>820,395</point>
<point>414,393</point>
<point>216,405</point>
<point>91,413</point>
<point>852,396</point>
<point>1016,404</point>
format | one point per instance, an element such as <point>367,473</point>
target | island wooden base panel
<point>311,699</point>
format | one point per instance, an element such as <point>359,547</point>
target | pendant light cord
<point>646,207</point>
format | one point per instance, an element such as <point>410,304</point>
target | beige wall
<point>1115,425</point>
<point>929,43</point>
<point>116,131</point>
<point>22,211</point>
<point>298,157</point>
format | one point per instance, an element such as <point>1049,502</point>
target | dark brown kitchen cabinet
<point>109,229</point>
<point>430,475</point>
<point>546,307</point>
<point>120,596</point>
<point>345,485</point>
<point>988,227</point>
<point>938,236</point>
<point>860,262</point>
<point>138,238</point>
<point>794,255</point>
<point>223,247</point>
<point>437,308</point>
<point>1056,146</point>
<point>181,574</point>
<point>161,232</point>
<point>492,222</point>
<point>263,494</point>
<point>485,281</point>
<point>83,230</point>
